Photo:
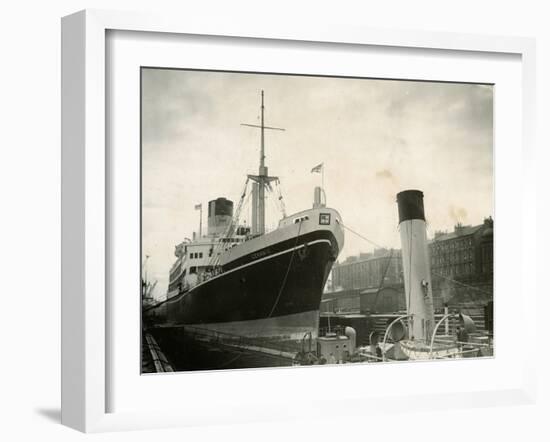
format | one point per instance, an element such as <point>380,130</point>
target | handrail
<point>448,315</point>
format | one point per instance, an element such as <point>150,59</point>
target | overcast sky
<point>375,138</point>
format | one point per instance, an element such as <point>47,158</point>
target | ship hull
<point>273,292</point>
<point>290,327</point>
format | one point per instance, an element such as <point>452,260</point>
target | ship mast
<point>262,180</point>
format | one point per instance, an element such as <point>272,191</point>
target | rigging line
<point>386,270</point>
<point>278,295</point>
<point>237,223</point>
<point>362,237</point>
<point>246,204</point>
<point>271,195</point>
<point>229,229</point>
<point>273,202</point>
<point>287,270</point>
<point>280,290</point>
<point>434,273</point>
<point>462,283</point>
<point>280,199</point>
<point>383,278</point>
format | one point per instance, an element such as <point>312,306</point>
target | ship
<point>242,280</point>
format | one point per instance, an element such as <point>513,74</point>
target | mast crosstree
<point>262,180</point>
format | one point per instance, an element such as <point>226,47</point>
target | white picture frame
<point>85,211</point>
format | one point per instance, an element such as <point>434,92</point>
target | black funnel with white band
<point>416,264</point>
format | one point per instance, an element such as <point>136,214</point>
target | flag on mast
<point>317,169</point>
<point>198,206</point>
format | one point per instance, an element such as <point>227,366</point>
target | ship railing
<point>464,349</point>
<point>369,356</point>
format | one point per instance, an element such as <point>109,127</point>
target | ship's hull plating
<point>273,292</point>
<point>290,327</point>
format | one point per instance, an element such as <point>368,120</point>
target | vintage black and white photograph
<point>296,220</point>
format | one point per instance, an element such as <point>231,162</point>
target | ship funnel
<point>220,214</point>
<point>416,264</point>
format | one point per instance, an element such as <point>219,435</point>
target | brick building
<point>465,253</point>
<point>368,270</point>
<point>356,282</point>
<point>461,263</point>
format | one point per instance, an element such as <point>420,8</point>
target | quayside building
<point>461,266</point>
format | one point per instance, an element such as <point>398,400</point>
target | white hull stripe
<point>265,258</point>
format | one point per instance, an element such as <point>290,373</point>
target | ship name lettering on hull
<point>261,254</point>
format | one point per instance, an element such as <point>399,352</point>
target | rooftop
<point>459,231</point>
<point>377,254</point>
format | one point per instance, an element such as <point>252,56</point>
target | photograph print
<point>295,220</point>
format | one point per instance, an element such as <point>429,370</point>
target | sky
<point>374,137</point>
